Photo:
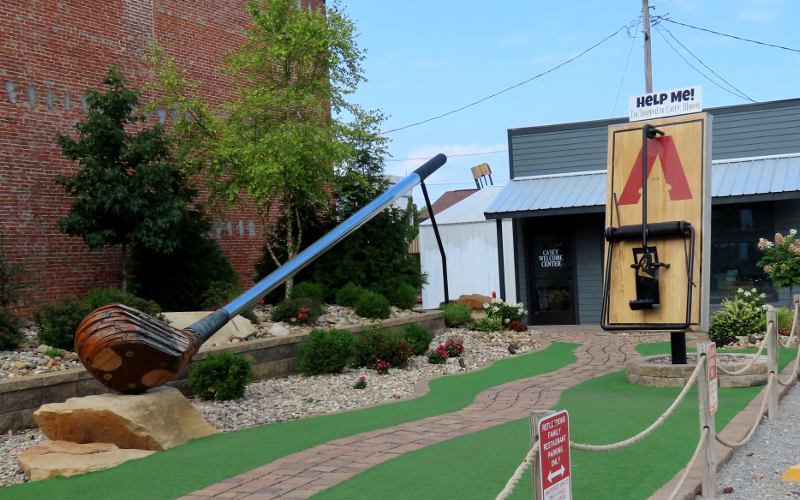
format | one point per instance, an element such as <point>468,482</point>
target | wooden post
<point>534,423</point>
<point>707,420</point>
<point>772,361</point>
<point>648,68</point>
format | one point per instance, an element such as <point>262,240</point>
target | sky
<point>426,58</point>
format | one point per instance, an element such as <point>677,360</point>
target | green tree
<point>289,125</point>
<point>126,191</point>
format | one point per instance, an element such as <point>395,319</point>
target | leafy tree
<point>279,139</point>
<point>126,192</point>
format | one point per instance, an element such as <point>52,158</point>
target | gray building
<point>557,193</point>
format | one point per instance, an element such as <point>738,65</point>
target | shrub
<point>505,312</point>
<point>372,305</point>
<point>58,320</point>
<point>403,296</point>
<point>9,280</point>
<point>736,318</point>
<point>10,334</point>
<point>785,320</point>
<point>456,315</point>
<point>418,338</point>
<point>781,259</point>
<point>438,356</point>
<point>54,353</point>
<point>325,351</point>
<point>381,366</point>
<point>361,383</point>
<point>300,311</point>
<point>487,324</point>
<point>222,376</point>
<point>348,295</point>
<point>218,294</point>
<point>308,289</point>
<point>454,347</point>
<point>102,296</point>
<point>379,343</point>
<point>518,326</point>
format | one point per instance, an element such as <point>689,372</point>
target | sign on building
<point>666,103</point>
<point>554,459</point>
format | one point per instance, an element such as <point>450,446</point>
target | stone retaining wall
<point>271,357</point>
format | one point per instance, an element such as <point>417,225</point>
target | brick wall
<point>50,52</point>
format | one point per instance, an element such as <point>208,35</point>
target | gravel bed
<point>755,470</point>
<point>295,396</point>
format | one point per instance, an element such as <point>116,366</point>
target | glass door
<point>552,300</point>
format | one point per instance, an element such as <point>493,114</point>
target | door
<point>552,280</point>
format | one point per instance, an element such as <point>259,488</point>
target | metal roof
<point>470,209</point>
<point>586,191</point>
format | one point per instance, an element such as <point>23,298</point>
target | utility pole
<point>648,68</point>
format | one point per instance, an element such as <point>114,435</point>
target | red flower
<point>494,294</point>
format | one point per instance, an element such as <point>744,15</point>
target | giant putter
<point>658,218</point>
<point>131,352</point>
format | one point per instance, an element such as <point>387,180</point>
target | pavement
<point>305,473</point>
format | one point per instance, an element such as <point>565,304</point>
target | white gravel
<point>755,470</point>
<point>293,397</point>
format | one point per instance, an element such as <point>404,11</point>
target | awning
<point>737,180</point>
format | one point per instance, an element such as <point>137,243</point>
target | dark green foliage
<point>58,320</point>
<point>10,334</point>
<point>220,377</point>
<point>9,280</point>
<point>379,343</point>
<point>180,280</point>
<point>218,294</point>
<point>349,294</point>
<point>102,296</point>
<point>325,351</point>
<point>126,192</point>
<point>372,305</point>
<point>736,318</point>
<point>402,295</point>
<point>456,315</point>
<point>308,289</point>
<point>418,338</point>
<point>302,310</point>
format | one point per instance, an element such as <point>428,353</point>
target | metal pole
<point>438,241</point>
<point>677,342</point>
<point>501,265</point>
<point>772,361</point>
<point>648,63</point>
<point>707,420</point>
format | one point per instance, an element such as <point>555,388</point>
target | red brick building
<point>51,51</point>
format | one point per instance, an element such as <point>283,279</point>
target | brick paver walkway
<point>303,474</point>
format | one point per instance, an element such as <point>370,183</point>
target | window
<point>735,230</point>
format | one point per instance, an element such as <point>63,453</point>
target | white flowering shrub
<point>781,259</point>
<point>741,315</point>
<point>504,312</point>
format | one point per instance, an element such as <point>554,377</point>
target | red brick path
<point>303,474</point>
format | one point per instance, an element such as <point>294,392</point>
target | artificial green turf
<point>205,461</point>
<point>603,410</point>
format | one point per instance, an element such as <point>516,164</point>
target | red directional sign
<point>554,457</point>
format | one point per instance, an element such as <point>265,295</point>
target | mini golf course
<point>199,463</point>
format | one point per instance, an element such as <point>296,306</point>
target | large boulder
<point>474,301</point>
<point>62,458</point>
<point>156,420</point>
<point>237,328</point>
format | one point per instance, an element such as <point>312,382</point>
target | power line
<point>473,103</point>
<point>733,36</point>
<point>625,71</point>
<point>694,67</point>
<point>453,155</point>
<point>742,94</point>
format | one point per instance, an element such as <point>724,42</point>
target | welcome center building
<point>557,195</point>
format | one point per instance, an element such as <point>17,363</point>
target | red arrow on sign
<point>671,165</point>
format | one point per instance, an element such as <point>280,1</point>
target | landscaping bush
<point>504,312</point>
<point>10,334</point>
<point>325,351</point>
<point>222,376</point>
<point>349,294</point>
<point>518,326</point>
<point>785,319</point>
<point>102,296</point>
<point>487,324</point>
<point>418,338</point>
<point>308,289</point>
<point>403,296</point>
<point>740,315</point>
<point>372,305</point>
<point>219,293</point>
<point>299,311</point>
<point>379,344</point>
<point>58,320</point>
<point>456,315</point>
<point>439,355</point>
<point>455,347</point>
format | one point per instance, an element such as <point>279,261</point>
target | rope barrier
<point>685,474</point>
<point>794,328</point>
<point>638,437</point>
<point>793,375</point>
<point>749,364</point>
<point>761,412</point>
<point>514,479</point>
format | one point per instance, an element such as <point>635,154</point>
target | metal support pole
<point>438,241</point>
<point>772,361</point>
<point>677,342</point>
<point>707,420</point>
<point>501,264</point>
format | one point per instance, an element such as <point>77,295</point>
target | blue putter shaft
<point>213,322</point>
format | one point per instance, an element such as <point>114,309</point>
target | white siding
<point>471,250</point>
